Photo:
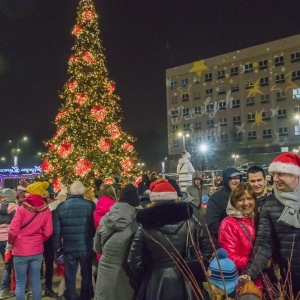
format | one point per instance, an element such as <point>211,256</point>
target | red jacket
<point>29,240</point>
<point>103,206</point>
<point>233,239</point>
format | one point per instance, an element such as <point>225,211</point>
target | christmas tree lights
<point>88,142</point>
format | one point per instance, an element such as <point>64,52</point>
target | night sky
<point>142,38</point>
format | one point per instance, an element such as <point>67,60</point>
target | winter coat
<point>7,212</point>
<point>74,223</point>
<point>119,226</point>
<point>185,170</point>
<point>160,278</point>
<point>234,240</point>
<point>103,205</point>
<point>217,204</point>
<point>197,193</point>
<point>29,240</point>
<point>278,238</point>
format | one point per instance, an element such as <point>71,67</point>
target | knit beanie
<point>9,196</point>
<point>37,188</point>
<point>228,269</point>
<point>129,195</point>
<point>22,185</point>
<point>288,163</point>
<point>162,190</point>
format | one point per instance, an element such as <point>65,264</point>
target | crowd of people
<point>156,240</point>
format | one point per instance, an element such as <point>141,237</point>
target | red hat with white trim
<point>162,190</point>
<point>288,163</point>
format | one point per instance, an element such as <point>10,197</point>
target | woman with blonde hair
<point>106,200</point>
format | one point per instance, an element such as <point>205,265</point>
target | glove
<point>59,256</point>
<point>8,258</point>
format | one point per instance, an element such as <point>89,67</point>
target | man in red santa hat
<point>279,224</point>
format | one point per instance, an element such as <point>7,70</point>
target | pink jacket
<point>29,240</point>
<point>103,205</point>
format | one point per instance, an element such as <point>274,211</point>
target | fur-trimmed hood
<point>168,217</point>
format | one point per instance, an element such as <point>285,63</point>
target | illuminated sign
<point>34,169</point>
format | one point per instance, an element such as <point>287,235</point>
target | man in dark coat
<point>279,224</point>
<point>217,203</point>
<point>74,231</point>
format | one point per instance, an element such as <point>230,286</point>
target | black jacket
<point>276,238</point>
<point>217,204</point>
<point>161,225</point>
<point>74,224</point>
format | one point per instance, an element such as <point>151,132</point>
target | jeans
<point>71,261</point>
<point>33,264</point>
<point>5,284</point>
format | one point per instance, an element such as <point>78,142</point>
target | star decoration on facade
<point>199,67</point>
<point>254,89</point>
<point>274,111</point>
<point>168,82</point>
<point>281,140</point>
<point>258,118</point>
<point>189,89</point>
<point>291,85</point>
<point>243,68</point>
<point>240,128</point>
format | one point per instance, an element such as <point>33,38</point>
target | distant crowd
<point>159,238</point>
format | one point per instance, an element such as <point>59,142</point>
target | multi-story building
<point>245,102</point>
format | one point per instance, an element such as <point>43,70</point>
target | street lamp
<point>235,157</point>
<point>15,151</point>
<point>203,149</point>
<point>295,151</point>
<point>3,158</point>
<point>183,138</point>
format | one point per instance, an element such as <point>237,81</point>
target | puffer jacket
<point>74,223</point>
<point>185,170</point>
<point>217,204</point>
<point>29,240</point>
<point>234,240</point>
<point>278,238</point>
<point>161,279</point>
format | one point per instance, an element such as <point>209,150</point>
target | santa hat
<point>22,185</point>
<point>161,190</point>
<point>288,163</point>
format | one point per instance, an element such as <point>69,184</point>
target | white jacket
<point>185,170</point>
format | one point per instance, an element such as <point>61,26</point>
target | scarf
<point>291,201</point>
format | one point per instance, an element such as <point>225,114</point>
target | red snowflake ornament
<point>73,59</point>
<point>56,184</point>
<point>108,181</point>
<point>65,149</point>
<point>114,130</point>
<point>98,113</point>
<point>46,166</point>
<point>61,115</point>
<point>82,167</point>
<point>104,144</point>
<point>88,57</point>
<point>60,132</point>
<point>111,87</point>
<point>128,147</point>
<point>127,164</point>
<point>77,30</point>
<point>72,85</point>
<point>81,98</point>
<point>88,15</point>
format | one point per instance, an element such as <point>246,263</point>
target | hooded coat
<point>113,239</point>
<point>233,239</point>
<point>185,170</point>
<point>8,207</point>
<point>160,278</point>
<point>197,193</point>
<point>217,204</point>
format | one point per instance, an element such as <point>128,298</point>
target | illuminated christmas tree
<point>89,142</point>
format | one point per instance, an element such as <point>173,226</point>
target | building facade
<point>246,102</point>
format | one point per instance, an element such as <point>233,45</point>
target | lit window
<point>296,93</point>
<point>196,79</point>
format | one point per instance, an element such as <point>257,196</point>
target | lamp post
<point>15,151</point>
<point>203,149</point>
<point>235,157</point>
<point>183,138</point>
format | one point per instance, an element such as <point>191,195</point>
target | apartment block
<point>246,101</point>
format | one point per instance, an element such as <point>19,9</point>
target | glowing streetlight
<point>235,157</point>
<point>203,149</point>
<point>3,158</point>
<point>15,151</point>
<point>183,138</point>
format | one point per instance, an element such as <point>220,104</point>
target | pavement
<point>55,283</point>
